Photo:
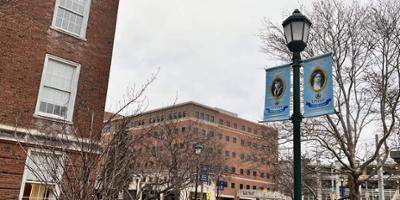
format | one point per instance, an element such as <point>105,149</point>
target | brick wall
<point>25,38</point>
<point>12,159</point>
<point>253,133</point>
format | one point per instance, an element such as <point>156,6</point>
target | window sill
<point>67,33</point>
<point>52,118</point>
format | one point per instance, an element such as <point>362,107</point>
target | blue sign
<point>203,173</point>
<point>318,86</point>
<point>221,185</point>
<point>342,191</point>
<point>277,96</point>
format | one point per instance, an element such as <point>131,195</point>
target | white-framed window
<point>58,88</point>
<point>72,16</point>
<point>42,175</point>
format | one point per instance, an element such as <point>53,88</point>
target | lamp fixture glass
<point>296,29</point>
<point>198,148</point>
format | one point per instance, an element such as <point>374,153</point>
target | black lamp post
<point>341,187</point>
<point>296,29</point>
<point>198,148</point>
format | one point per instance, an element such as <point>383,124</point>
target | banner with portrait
<point>277,96</point>
<point>318,86</point>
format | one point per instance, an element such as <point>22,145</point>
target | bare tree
<point>168,160</point>
<point>364,41</point>
<point>311,175</point>
<point>67,161</point>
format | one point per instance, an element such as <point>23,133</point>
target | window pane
<point>77,6</point>
<point>63,111</point>
<point>59,75</point>
<point>288,33</point>
<point>53,109</point>
<point>56,97</point>
<point>306,32</point>
<point>35,191</point>
<point>50,108</point>
<point>43,167</point>
<point>42,107</point>
<point>69,21</point>
<point>297,28</point>
<point>57,110</point>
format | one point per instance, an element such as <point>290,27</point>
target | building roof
<point>215,109</point>
<point>108,115</point>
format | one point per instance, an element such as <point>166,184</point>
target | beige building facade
<point>248,148</point>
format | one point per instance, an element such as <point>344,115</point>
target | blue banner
<point>277,96</point>
<point>204,169</point>
<point>318,86</point>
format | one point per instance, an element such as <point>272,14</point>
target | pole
<point>341,189</point>
<point>337,178</point>
<point>381,186</point>
<point>201,191</point>
<point>319,181</point>
<point>217,188</point>
<point>296,120</point>
<point>195,187</point>
<point>332,181</point>
<point>380,174</point>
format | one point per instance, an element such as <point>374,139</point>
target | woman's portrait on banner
<point>318,79</point>
<point>277,87</point>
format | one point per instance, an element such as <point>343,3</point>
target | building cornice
<point>251,180</point>
<point>195,120</point>
<point>214,109</point>
<point>35,137</point>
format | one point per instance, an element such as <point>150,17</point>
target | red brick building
<point>249,148</point>
<point>55,58</point>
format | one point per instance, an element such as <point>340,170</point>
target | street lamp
<point>296,29</point>
<point>198,148</point>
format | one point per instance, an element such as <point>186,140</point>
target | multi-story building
<point>55,58</point>
<point>249,148</point>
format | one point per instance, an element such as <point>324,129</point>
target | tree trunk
<point>354,185</point>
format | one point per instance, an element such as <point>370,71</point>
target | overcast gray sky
<point>207,51</point>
